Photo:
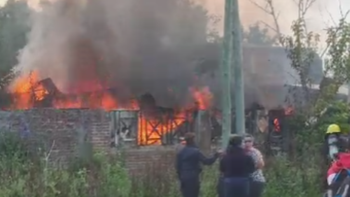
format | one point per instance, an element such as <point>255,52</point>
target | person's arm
<point>259,159</point>
<point>249,164</point>
<point>207,160</point>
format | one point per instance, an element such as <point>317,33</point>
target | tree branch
<point>336,31</point>
<point>270,9</point>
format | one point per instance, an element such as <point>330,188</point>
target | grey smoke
<point>140,47</point>
<point>133,46</point>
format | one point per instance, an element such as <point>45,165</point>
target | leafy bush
<point>293,179</point>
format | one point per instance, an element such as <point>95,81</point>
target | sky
<point>319,16</point>
<point>2,2</point>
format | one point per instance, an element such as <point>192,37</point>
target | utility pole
<point>348,86</point>
<point>226,63</point>
<point>238,69</point>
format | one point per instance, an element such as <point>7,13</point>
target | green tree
<point>302,48</point>
<point>14,25</point>
<point>258,35</point>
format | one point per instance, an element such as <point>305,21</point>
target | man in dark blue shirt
<point>188,166</point>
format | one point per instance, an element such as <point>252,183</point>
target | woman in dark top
<point>236,167</point>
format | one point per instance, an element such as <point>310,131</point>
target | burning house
<point>153,83</point>
<point>143,120</point>
<point>155,123</point>
<point>151,124</point>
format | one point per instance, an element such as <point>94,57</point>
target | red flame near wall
<point>276,125</point>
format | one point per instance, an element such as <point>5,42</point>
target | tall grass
<point>24,173</point>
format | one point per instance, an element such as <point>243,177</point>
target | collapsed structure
<point>155,83</point>
<point>142,120</point>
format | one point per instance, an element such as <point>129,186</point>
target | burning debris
<point>154,122</point>
<point>106,59</point>
<point>31,92</point>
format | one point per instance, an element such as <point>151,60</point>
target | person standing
<point>333,142</point>
<point>257,177</point>
<point>333,145</point>
<point>236,167</point>
<point>188,166</point>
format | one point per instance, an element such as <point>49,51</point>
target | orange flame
<point>202,96</point>
<point>150,130</point>
<point>27,90</point>
<point>276,124</point>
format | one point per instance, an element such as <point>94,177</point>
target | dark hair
<point>234,143</point>
<point>189,138</point>
<point>248,135</point>
<point>236,140</point>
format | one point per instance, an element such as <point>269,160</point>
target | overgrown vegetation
<point>296,174</point>
<point>302,171</point>
<point>15,24</point>
<point>24,173</point>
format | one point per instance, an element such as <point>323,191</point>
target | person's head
<point>248,141</point>
<point>189,138</point>
<point>333,129</point>
<point>236,141</point>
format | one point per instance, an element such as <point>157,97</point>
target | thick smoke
<point>142,47</point>
<point>133,46</point>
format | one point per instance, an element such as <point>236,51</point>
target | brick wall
<point>150,159</point>
<point>60,130</point>
<point>57,130</point>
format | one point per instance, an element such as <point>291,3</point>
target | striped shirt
<point>258,174</point>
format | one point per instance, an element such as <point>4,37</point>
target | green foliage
<point>258,35</point>
<point>314,114</point>
<point>337,113</point>
<point>302,172</point>
<point>338,53</point>
<point>14,22</point>
<point>255,34</point>
<point>24,175</point>
<point>106,176</point>
<point>293,179</point>
<point>302,48</point>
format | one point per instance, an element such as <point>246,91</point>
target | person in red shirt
<point>342,163</point>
